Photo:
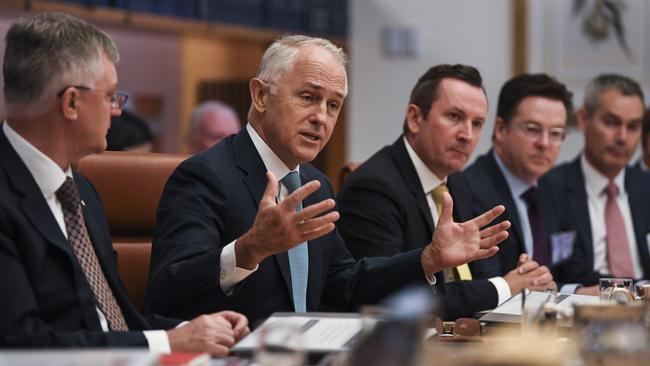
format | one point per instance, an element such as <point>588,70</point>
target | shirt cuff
<point>158,341</point>
<point>570,288</point>
<point>503,290</point>
<point>230,274</point>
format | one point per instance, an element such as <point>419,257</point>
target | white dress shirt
<point>430,181</point>
<point>49,177</point>
<point>595,184</point>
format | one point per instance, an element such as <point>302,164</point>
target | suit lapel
<point>638,199</point>
<point>505,196</point>
<point>411,179</point>
<point>33,205</point>
<point>39,214</point>
<point>575,188</point>
<point>248,159</point>
<point>315,252</point>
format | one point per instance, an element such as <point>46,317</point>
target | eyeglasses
<point>466,327</point>
<point>117,99</point>
<point>534,132</point>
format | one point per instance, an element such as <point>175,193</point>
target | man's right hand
<point>214,333</point>
<point>278,227</point>
<point>530,275</point>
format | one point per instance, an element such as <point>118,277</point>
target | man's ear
<point>259,90</point>
<point>500,127</point>
<point>69,104</point>
<point>413,118</point>
<point>581,118</point>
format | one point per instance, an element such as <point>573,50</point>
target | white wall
<point>557,46</point>
<point>477,33</point>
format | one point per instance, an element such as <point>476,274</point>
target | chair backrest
<point>346,169</point>
<point>130,185</point>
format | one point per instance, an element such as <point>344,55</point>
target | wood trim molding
<point>519,37</point>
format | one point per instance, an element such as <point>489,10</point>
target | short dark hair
<point>645,129</point>
<point>531,85</point>
<point>425,91</point>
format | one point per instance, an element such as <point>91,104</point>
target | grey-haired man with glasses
<point>529,130</point>
<point>58,272</point>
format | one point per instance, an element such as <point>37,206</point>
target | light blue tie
<point>298,255</point>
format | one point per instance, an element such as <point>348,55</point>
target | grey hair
<point>205,107</point>
<point>278,59</point>
<point>49,49</point>
<point>605,82</point>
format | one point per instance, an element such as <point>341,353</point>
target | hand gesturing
<point>278,227</point>
<point>455,243</point>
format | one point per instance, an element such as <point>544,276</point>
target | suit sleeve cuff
<point>570,288</point>
<point>503,290</point>
<point>158,341</point>
<point>230,275</point>
<point>431,279</point>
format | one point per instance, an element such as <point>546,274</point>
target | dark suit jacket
<point>385,212</point>
<point>211,200</point>
<point>488,187</point>
<point>46,300</point>
<point>570,178</point>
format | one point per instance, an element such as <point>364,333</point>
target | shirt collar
<point>595,182</point>
<point>643,166</point>
<point>517,185</point>
<point>47,174</point>
<point>428,179</point>
<point>271,161</point>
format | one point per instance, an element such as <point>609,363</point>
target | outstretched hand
<point>278,227</point>
<point>455,243</point>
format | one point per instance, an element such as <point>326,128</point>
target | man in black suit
<point>610,203</point>
<point>58,272</point>
<point>388,205</point>
<point>529,129</point>
<point>644,161</point>
<point>223,240</point>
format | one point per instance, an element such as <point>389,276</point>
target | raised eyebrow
<point>320,88</point>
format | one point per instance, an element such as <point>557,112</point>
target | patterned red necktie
<point>78,237</point>
<point>618,248</point>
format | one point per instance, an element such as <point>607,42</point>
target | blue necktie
<point>298,255</point>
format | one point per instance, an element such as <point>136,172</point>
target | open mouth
<point>311,136</point>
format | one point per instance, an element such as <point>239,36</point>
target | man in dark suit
<point>58,272</point>
<point>388,205</point>
<point>609,202</point>
<point>529,129</point>
<point>644,161</point>
<point>223,240</point>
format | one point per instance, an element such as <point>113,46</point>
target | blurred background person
<point>129,132</point>
<point>211,122</point>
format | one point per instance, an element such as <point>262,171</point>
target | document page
<point>313,333</point>
<point>511,310</point>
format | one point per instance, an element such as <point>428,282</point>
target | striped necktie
<point>78,237</point>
